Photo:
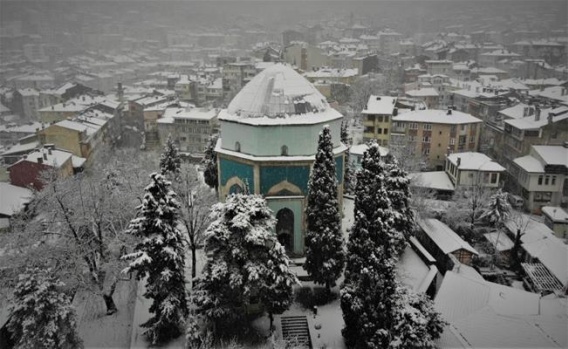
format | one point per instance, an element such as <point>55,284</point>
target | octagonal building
<point>269,136</point>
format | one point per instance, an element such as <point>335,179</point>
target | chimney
<point>566,144</point>
<point>459,162</point>
<point>537,113</point>
<point>395,112</point>
<point>449,112</point>
<point>525,111</point>
<point>44,156</point>
<point>378,98</point>
<point>531,111</point>
<point>49,151</point>
<point>40,160</point>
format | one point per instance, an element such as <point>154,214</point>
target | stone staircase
<point>295,329</point>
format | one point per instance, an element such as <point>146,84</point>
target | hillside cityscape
<point>284,174</point>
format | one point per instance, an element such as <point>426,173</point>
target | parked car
<point>515,200</point>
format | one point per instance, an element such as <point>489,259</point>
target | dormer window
<point>284,151</point>
<point>237,147</point>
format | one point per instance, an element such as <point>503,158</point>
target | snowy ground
<point>99,330</point>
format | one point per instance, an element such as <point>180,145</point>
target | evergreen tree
<point>416,322</point>
<point>397,186</point>
<point>348,185</point>
<point>41,315</point>
<point>210,162</point>
<point>159,257</point>
<point>498,210</point>
<point>245,263</point>
<point>170,160</point>
<point>324,241</point>
<point>378,313</point>
<point>369,286</point>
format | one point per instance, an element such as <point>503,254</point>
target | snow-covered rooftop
<point>475,161</point>
<point>444,237</point>
<point>482,314</point>
<point>187,113</point>
<point>72,125</point>
<point>51,158</point>
<point>437,180</point>
<point>552,154</point>
<point>13,198</point>
<point>20,148</point>
<point>279,95</point>
<point>359,149</point>
<point>556,214</point>
<point>382,105</point>
<point>530,164</point>
<point>423,92</point>
<point>531,122</point>
<point>499,240</point>
<point>437,116</point>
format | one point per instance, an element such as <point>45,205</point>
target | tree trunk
<point>193,263</point>
<point>271,317</point>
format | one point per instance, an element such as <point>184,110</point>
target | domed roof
<point>278,92</point>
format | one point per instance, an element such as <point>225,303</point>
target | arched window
<point>237,146</point>
<point>285,228</point>
<point>284,151</point>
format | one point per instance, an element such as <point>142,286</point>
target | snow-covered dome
<point>278,92</point>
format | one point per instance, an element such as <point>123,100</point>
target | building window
<point>493,178</point>
<point>427,126</point>
<point>426,139</point>
<point>284,151</point>
<point>472,139</point>
<point>546,180</point>
<point>452,141</point>
<point>426,151</point>
<point>369,129</point>
<point>380,118</point>
<point>540,179</point>
<point>379,131</point>
<point>370,118</point>
<point>386,131</point>
<point>413,126</point>
<point>453,129</point>
<point>463,127</point>
<point>237,147</point>
<point>553,180</point>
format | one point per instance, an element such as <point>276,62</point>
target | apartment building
<point>190,128</point>
<point>377,119</point>
<point>433,133</point>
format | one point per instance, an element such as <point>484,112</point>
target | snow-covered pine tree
<point>367,295</point>
<point>348,185</point>
<point>210,162</point>
<point>416,323</point>
<point>159,257</point>
<point>170,160</point>
<point>41,315</point>
<point>324,241</point>
<point>245,262</point>
<point>397,185</point>
<point>498,210</point>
